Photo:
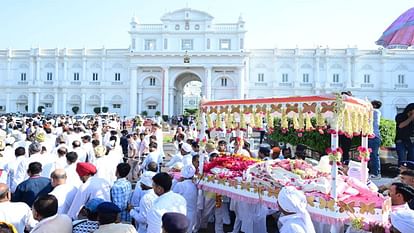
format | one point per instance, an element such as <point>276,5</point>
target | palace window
<point>197,27</point>
<point>152,82</point>
<point>177,27</point>
<point>48,105</point>
<point>241,43</point>
<point>208,43</point>
<point>117,77</point>
<point>285,78</point>
<point>150,45</point>
<point>152,107</point>
<point>260,77</point>
<point>335,78</point>
<point>49,76</point>
<point>22,76</point>
<point>94,76</point>
<point>165,43</point>
<point>367,78</point>
<point>187,25</point>
<point>225,44</point>
<point>187,44</point>
<point>224,82</point>
<point>116,105</point>
<point>401,79</point>
<point>75,76</point>
<point>133,44</point>
<point>305,78</point>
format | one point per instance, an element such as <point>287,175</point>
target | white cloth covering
<point>64,193</point>
<point>140,213</point>
<point>294,201</point>
<point>188,171</point>
<point>188,190</point>
<point>403,220</point>
<point>17,213</point>
<point>167,202</point>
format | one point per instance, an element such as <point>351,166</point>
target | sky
<point>270,23</point>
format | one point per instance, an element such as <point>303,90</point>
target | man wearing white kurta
<point>296,218</point>
<point>188,189</point>
<point>92,187</point>
<point>139,214</point>
<point>17,213</point>
<point>186,153</point>
<point>63,192</point>
<point>153,156</point>
<point>167,201</point>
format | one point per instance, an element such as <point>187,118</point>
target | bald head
<point>58,177</point>
<point>4,192</point>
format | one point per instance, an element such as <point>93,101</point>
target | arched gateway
<point>187,92</point>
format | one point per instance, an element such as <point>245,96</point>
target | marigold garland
<point>364,153</point>
<point>334,155</point>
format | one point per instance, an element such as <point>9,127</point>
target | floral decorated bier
<point>253,181</point>
<point>335,114</point>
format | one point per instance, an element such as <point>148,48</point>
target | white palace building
<point>188,46</point>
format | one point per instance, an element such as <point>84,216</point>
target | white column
<point>55,103</point>
<point>166,87</point>
<point>139,101</point>
<point>327,79</point>
<point>36,103</point>
<point>83,103</point>
<point>8,70</point>
<point>208,83</point>
<point>30,103</point>
<point>133,91</point>
<point>316,79</point>
<point>348,82</point>
<point>8,102</point>
<point>32,69</point>
<point>171,100</point>
<point>65,69</point>
<point>296,78</point>
<point>103,70</point>
<point>64,99</point>
<point>38,69</point>
<point>84,70</point>
<point>56,78</point>
<point>102,100</point>
<point>241,82</point>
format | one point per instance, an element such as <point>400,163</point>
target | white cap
<point>186,147</point>
<point>188,171</point>
<point>146,178</point>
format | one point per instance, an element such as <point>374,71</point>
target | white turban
<point>294,201</point>
<point>186,147</point>
<point>188,171</point>
<point>403,220</point>
<point>146,178</point>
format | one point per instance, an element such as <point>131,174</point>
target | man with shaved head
<point>17,213</point>
<point>63,191</point>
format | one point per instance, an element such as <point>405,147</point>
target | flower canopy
<point>343,113</point>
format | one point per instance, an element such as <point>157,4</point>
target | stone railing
<point>305,84</point>
<point>401,85</point>
<point>285,84</point>
<point>48,82</point>
<point>149,27</point>
<point>94,83</point>
<point>260,84</point>
<point>225,27</point>
<point>117,83</point>
<point>23,83</point>
<point>76,83</point>
<point>366,85</point>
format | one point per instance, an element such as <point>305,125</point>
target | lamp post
<point>186,57</point>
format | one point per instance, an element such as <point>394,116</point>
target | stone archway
<point>187,92</point>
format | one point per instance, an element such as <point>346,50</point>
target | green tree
<point>105,109</point>
<point>40,109</point>
<point>97,110</point>
<point>190,111</point>
<point>387,130</point>
<point>157,113</point>
<point>75,109</point>
<point>144,113</point>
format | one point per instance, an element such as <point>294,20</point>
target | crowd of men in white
<point>88,171</point>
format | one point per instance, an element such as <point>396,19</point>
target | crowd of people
<point>59,175</point>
